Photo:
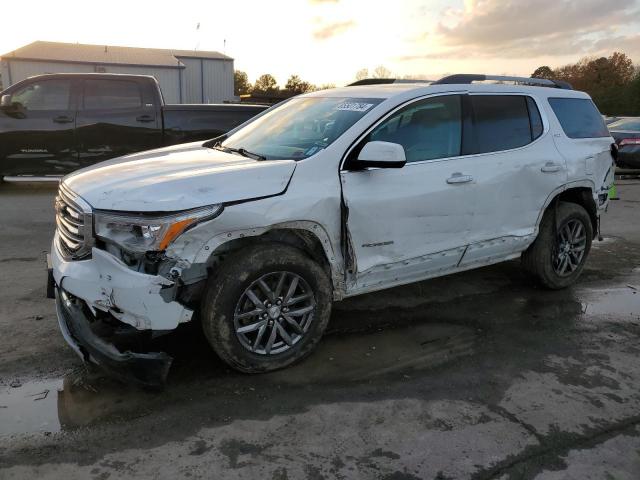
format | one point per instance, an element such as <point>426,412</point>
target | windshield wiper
<point>242,151</point>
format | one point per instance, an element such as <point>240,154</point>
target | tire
<point>227,307</point>
<point>544,260</point>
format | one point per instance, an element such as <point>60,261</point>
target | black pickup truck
<point>53,124</point>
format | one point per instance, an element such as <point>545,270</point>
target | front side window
<point>428,129</point>
<point>111,94</point>
<point>579,117</point>
<point>501,122</point>
<point>301,127</point>
<point>44,95</point>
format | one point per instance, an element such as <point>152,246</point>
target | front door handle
<point>63,119</point>
<point>459,178</point>
<point>146,118</point>
<point>551,167</point>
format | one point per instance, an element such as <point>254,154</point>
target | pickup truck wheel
<point>556,258</point>
<point>266,307</point>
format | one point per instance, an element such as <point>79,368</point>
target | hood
<point>176,178</point>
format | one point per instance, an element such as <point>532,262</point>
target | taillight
<point>629,141</point>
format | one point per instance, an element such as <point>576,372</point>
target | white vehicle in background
<point>332,194</point>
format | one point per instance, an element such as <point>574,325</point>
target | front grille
<point>74,224</point>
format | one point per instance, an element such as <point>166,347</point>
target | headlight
<point>145,233</point>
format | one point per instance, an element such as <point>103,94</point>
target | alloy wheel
<point>274,313</point>
<point>571,243</point>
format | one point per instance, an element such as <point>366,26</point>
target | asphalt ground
<point>477,375</point>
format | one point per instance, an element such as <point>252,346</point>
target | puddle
<point>50,406</point>
<point>623,303</point>
<point>38,407</point>
<point>29,408</point>
<point>364,356</point>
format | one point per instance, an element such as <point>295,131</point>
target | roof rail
<point>467,78</point>
<point>385,81</point>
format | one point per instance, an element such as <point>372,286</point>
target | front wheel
<point>556,258</point>
<point>266,308</point>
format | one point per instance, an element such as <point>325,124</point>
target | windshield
<point>301,127</point>
<point>626,124</point>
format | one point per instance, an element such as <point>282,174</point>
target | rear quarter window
<point>579,117</point>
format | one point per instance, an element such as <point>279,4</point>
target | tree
<point>362,74</point>
<point>241,85</point>
<point>543,72</point>
<point>611,81</point>
<point>295,85</point>
<point>326,86</point>
<point>381,72</point>
<point>633,95</point>
<point>605,78</point>
<point>265,84</point>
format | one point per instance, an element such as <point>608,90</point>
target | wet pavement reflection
<point>30,407</point>
<point>361,345</point>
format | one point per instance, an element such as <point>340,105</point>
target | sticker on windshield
<point>354,106</point>
<point>312,150</point>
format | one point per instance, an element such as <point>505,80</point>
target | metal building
<point>185,76</point>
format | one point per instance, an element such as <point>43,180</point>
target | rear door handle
<point>63,119</point>
<point>145,118</point>
<point>459,178</point>
<point>551,167</point>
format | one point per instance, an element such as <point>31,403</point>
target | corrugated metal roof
<point>107,54</point>
<point>200,54</point>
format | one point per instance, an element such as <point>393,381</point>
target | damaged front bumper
<point>105,283</point>
<point>145,369</point>
<point>102,283</point>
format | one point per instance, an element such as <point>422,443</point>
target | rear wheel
<point>266,308</point>
<point>556,258</point>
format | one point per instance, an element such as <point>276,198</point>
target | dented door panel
<point>512,188</point>
<point>408,218</point>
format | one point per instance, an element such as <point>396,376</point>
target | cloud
<point>517,29</point>
<point>629,44</point>
<point>325,32</point>
<point>487,22</point>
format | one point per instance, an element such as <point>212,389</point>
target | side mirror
<point>5,101</point>
<point>381,155</point>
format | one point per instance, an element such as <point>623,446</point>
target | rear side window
<point>579,117</point>
<point>502,122</point>
<point>111,94</point>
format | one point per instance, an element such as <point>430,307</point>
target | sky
<point>328,41</point>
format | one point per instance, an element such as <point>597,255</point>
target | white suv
<point>329,195</point>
